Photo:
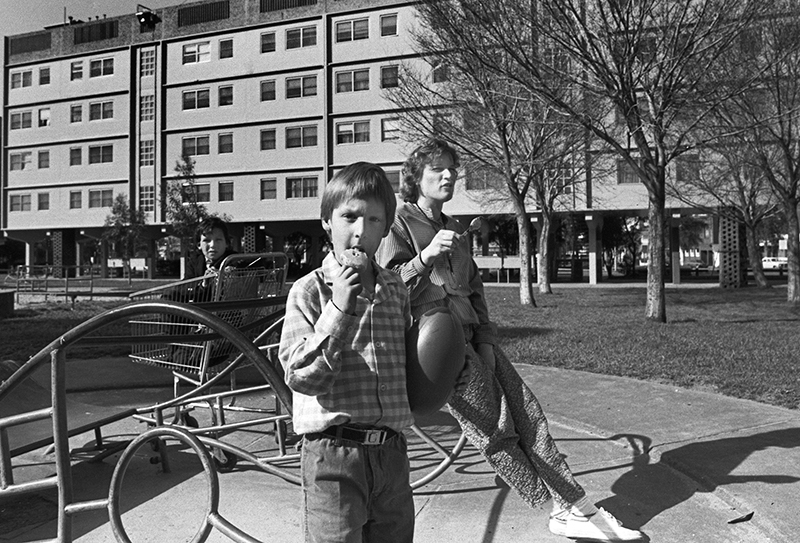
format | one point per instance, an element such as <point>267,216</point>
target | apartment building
<point>269,97</point>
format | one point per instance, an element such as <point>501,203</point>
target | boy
<point>213,246</point>
<point>343,352</point>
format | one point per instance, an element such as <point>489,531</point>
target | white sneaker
<point>602,526</point>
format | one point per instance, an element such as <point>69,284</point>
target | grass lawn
<point>738,342</point>
<point>742,343</point>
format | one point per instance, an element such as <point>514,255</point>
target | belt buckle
<point>374,437</point>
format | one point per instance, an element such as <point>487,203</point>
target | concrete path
<point>683,466</point>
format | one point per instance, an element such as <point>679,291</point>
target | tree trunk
<point>655,310</point>
<point>754,256</point>
<point>793,252</point>
<point>544,265</point>
<point>524,227</point>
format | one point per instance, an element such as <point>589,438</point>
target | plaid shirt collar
<point>330,268</point>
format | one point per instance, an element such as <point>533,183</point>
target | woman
<point>497,411</point>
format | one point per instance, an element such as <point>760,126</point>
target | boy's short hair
<point>359,180</point>
<point>415,164</point>
<point>208,225</point>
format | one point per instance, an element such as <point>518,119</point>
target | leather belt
<point>362,436</point>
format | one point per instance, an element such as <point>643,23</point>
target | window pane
<point>43,201</point>
<point>309,136</point>
<point>293,137</point>
<point>361,29</point>
<point>225,143</point>
<point>268,138</point>
<point>268,42</point>
<point>267,90</point>
<point>44,159</point>
<point>309,36</point>
<point>226,49</point>
<point>44,117</point>
<point>44,76</point>
<point>75,200</point>
<point>203,193</point>
<point>344,81</point>
<point>294,87</point>
<point>389,77</point>
<point>75,157</point>
<point>310,86</point>
<point>362,132</point>
<point>389,25</point>
<point>344,31</point>
<point>293,39</point>
<point>226,192</point>
<point>225,96</point>
<point>76,71</point>
<point>269,189</point>
<point>361,80</point>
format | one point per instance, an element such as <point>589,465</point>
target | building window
<point>389,25</point>
<point>269,189</point>
<point>226,95</point>
<point>225,143</point>
<point>268,139</point>
<point>44,116</point>
<point>357,132</point>
<point>101,110</point>
<point>441,73</point>
<point>101,198</point>
<point>390,129</point>
<point>44,76</point>
<point>43,201</point>
<point>389,77</point>
<point>625,173</point>
<point>357,29</point>
<point>301,86</point>
<point>76,71</point>
<point>21,79</point>
<point>101,67</point>
<point>23,119</point>
<point>687,168</point>
<point>20,202</point>
<point>226,48</point>
<point>394,180</point>
<point>268,42</point>
<point>202,192</point>
<point>195,145</point>
<point>75,156</point>
<point>75,199</point>
<point>351,81</point>
<point>267,90</point>
<point>99,154</point>
<point>44,160</point>
<point>75,113</point>
<point>147,153</point>
<point>301,187</point>
<point>301,136</point>
<point>226,191</point>
<point>196,99</point>
<point>147,107</point>
<point>19,161</point>
<point>147,198</point>
<point>196,52</point>
<point>147,62</point>
<point>301,37</point>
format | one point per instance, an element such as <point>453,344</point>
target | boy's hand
<point>346,288</point>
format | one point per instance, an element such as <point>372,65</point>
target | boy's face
<point>357,223</point>
<point>213,244</point>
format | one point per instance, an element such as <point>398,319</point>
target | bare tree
<point>184,211</point>
<point>768,116</point>
<point>124,229</point>
<point>636,65</point>
<point>725,181</point>
<point>521,149</point>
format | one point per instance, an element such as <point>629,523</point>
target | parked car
<point>774,263</point>
<point>694,264</point>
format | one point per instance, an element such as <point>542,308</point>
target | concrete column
<point>28,254</point>
<point>595,224</point>
<point>536,227</point>
<point>675,248</point>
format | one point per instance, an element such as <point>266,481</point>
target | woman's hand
<point>442,243</point>
<point>486,351</point>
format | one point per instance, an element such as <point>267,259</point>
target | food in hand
<point>355,258</point>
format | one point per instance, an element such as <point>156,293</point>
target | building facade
<point>268,97</point>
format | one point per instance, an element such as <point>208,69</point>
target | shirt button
<point>379,344</point>
<point>383,388</point>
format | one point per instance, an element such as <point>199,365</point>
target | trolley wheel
<point>225,461</point>
<point>189,421</point>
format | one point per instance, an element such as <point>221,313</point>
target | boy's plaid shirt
<point>346,368</point>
